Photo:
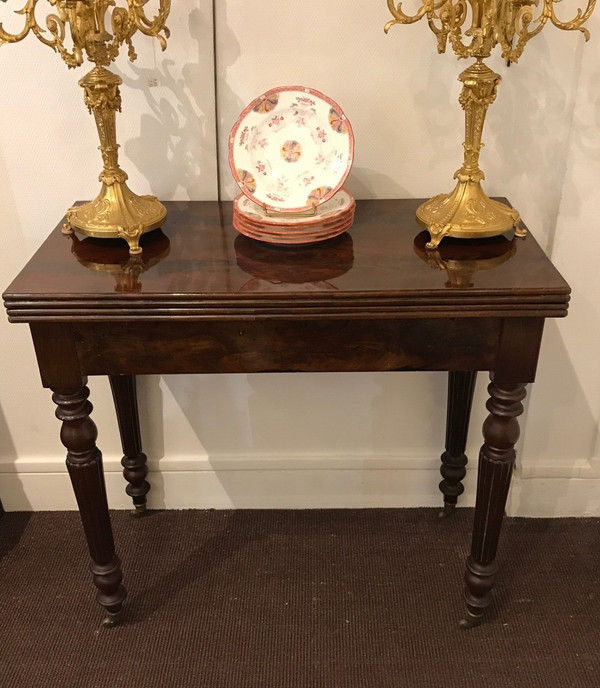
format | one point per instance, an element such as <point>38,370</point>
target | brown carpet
<point>302,599</point>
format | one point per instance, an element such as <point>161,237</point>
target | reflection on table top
<point>198,257</point>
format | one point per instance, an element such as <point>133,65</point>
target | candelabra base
<point>467,213</point>
<point>117,213</point>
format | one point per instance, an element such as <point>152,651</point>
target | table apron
<point>296,346</point>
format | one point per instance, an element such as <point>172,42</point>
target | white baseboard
<point>225,482</point>
<point>300,482</point>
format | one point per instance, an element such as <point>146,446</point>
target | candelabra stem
<point>467,212</point>
<point>116,211</point>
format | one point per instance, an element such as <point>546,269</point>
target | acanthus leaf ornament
<point>467,212</point>
<point>116,211</point>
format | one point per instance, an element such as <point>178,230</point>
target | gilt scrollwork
<point>85,22</point>
<point>507,23</point>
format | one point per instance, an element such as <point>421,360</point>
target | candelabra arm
<point>55,25</point>
<point>577,23</point>
<point>445,19</point>
<point>30,24</point>
<point>525,19</point>
<point>428,8</point>
<point>451,21</point>
<point>154,27</point>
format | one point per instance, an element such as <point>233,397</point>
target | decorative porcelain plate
<point>291,149</point>
<point>343,202</point>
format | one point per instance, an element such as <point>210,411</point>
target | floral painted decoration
<point>266,104</point>
<point>246,181</point>
<point>291,149</point>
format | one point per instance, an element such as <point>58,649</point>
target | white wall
<point>311,440</point>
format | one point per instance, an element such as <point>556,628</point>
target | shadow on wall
<point>366,183</point>
<point>585,133</point>
<point>11,490</point>
<point>228,52</point>
<point>396,418</point>
<point>180,128</point>
<point>13,253</point>
<point>566,425</point>
<point>530,127</point>
<point>311,421</point>
<point>561,428</point>
<point>216,408</point>
<point>152,422</point>
<point>435,100</point>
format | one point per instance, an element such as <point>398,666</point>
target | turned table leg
<point>454,460</point>
<point>134,460</point>
<point>84,462</point>
<point>496,462</point>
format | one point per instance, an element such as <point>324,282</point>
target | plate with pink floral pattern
<point>291,149</point>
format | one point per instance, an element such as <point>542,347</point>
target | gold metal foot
<point>520,232</point>
<point>466,213</point>
<point>118,213</point>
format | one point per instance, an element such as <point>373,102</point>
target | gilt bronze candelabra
<point>116,211</point>
<point>467,212</point>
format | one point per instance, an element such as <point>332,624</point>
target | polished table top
<point>198,268</point>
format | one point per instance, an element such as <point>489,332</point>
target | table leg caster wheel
<point>447,511</point>
<point>112,619</point>
<point>140,510</point>
<point>470,621</point>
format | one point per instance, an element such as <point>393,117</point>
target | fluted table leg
<point>454,460</point>
<point>134,460</point>
<point>496,463</point>
<point>84,463</point>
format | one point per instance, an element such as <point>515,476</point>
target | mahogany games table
<point>203,299</point>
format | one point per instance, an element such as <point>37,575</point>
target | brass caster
<point>470,621</point>
<point>447,511</point>
<point>113,619</point>
<point>66,229</point>
<point>140,510</point>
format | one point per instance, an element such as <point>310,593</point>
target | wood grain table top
<point>199,268</point>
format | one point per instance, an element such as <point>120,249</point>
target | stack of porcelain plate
<point>290,152</point>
